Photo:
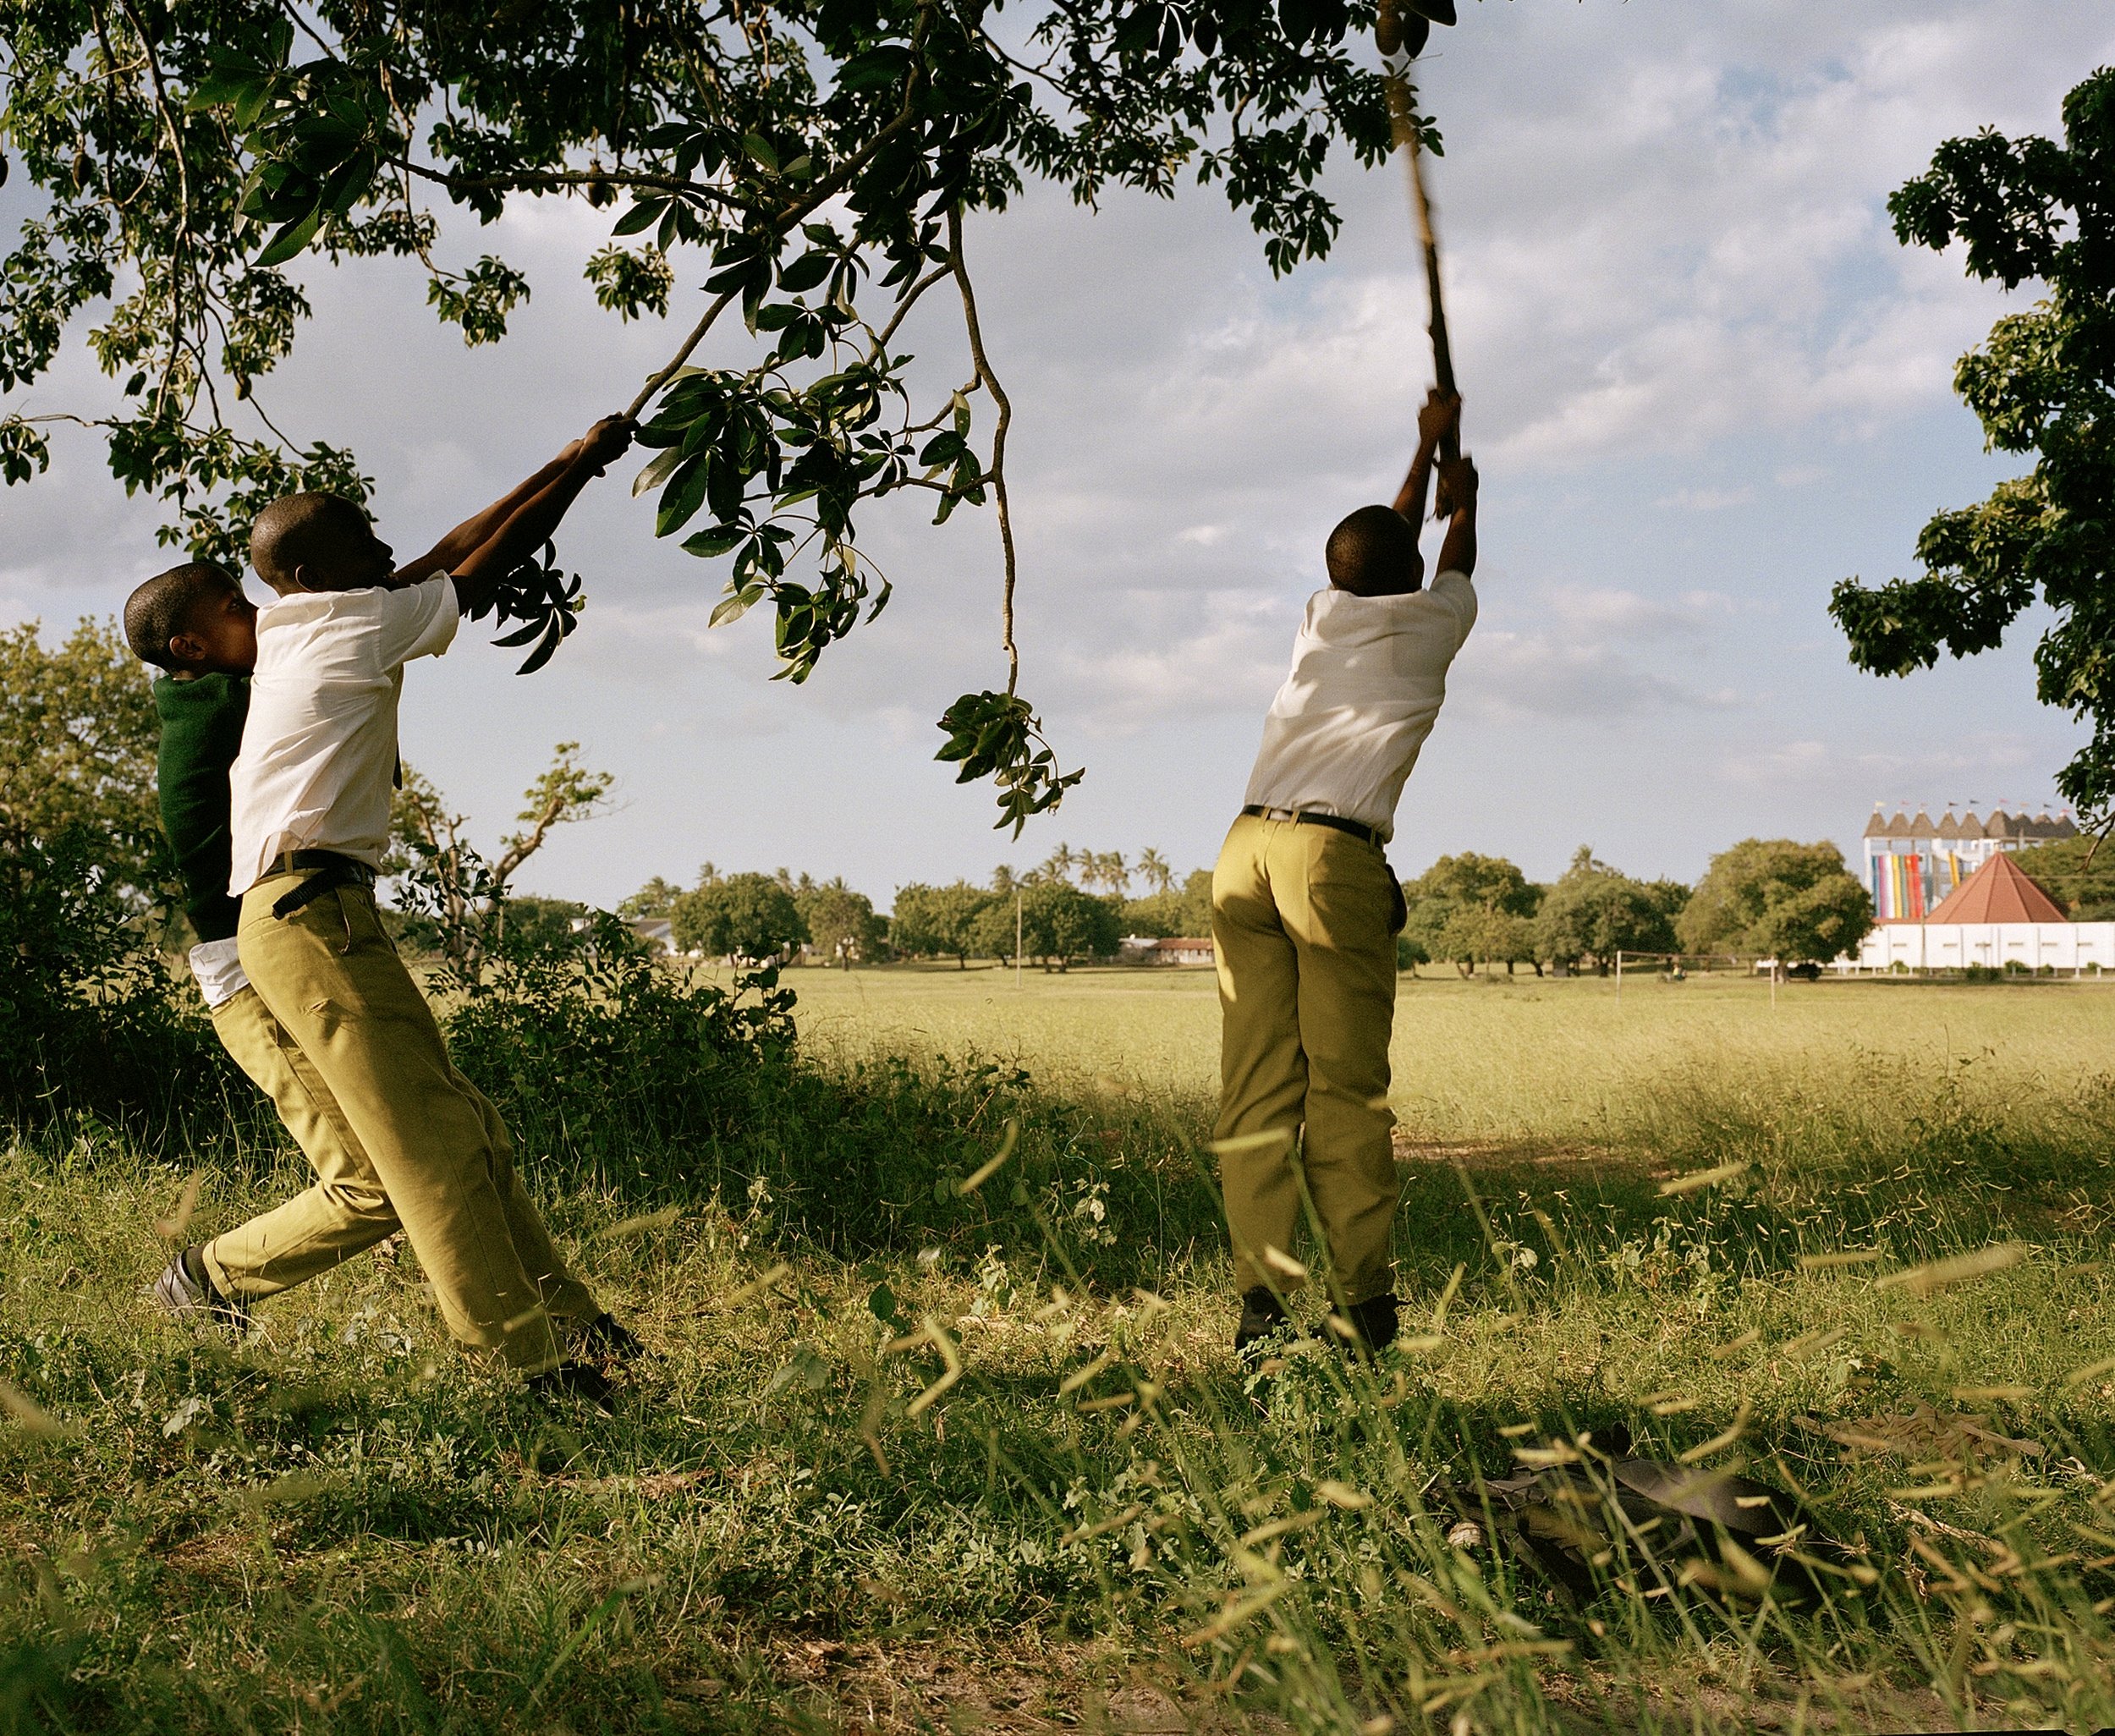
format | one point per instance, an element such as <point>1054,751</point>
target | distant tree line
<point>1763,898</point>
<point>1796,902</point>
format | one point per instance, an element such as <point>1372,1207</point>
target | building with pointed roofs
<point>1996,917</point>
<point>1914,863</point>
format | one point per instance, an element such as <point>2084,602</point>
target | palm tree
<point>1111,871</point>
<point>1153,865</point>
<point>1061,863</point>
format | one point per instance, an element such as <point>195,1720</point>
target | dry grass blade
<point>1734,1347</point>
<point>1691,1182</point>
<point>937,1336</point>
<point>1830,1262</point>
<point>754,1287</point>
<point>1961,1269</point>
<point>1241,1610</point>
<point>1812,1343</point>
<point>645,1224</point>
<point>1338,1494</point>
<point>1284,1265</point>
<point>2002,1395</point>
<point>1080,1376</point>
<point>1282,1527</point>
<point>1719,1443</point>
<point>1542,1457</point>
<point>33,1417</point>
<point>2091,1372</point>
<point>984,1171</point>
<point>1081,1534</point>
<point>1446,1296</point>
<point>172,1227</point>
<point>1239,1143</point>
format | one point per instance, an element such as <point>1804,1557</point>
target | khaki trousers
<point>1303,921</point>
<point>336,1032</point>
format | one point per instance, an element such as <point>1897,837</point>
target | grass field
<point>796,1520</point>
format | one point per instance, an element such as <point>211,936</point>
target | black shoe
<point>574,1380</point>
<point>607,1340</point>
<point>185,1293</point>
<point>1262,1318</point>
<point>1371,1323</point>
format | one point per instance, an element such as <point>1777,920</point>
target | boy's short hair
<point>1373,553</point>
<point>157,611</point>
<point>297,531</point>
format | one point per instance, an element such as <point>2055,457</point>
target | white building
<point>1997,916</point>
<point>1913,862</point>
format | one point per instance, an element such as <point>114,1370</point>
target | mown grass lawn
<point>796,1520</point>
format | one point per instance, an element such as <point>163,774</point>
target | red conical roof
<point>1999,890</point>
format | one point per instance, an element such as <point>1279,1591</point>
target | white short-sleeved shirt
<point>1369,676</point>
<point>319,750</point>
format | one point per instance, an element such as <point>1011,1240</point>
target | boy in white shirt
<point>1306,910</point>
<point>311,790</point>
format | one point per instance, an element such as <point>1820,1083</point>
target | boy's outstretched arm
<point>460,543</point>
<point>530,523</point>
<point>1437,418</point>
<point>1457,485</point>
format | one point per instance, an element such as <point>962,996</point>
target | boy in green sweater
<point>194,623</point>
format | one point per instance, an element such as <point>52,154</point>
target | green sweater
<point>201,733</point>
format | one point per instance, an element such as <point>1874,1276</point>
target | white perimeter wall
<point>1951,946</point>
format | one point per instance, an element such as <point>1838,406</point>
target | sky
<point>1702,382</point>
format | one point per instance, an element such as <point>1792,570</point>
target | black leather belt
<point>1308,816</point>
<point>326,871</point>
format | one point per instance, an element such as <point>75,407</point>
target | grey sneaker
<point>184,1292</point>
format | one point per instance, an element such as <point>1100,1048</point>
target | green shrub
<point>92,1030</point>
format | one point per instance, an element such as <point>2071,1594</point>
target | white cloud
<point>1706,500</point>
<point>1671,277</point>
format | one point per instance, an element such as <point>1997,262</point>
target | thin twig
<point>997,470</point>
<point>910,300</point>
<point>656,381</point>
<point>823,190</point>
<point>1402,124</point>
<point>183,202</point>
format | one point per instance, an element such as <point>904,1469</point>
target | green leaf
<point>682,498</point>
<point>291,240</point>
<point>884,65</point>
<point>644,214</point>
<point>758,148</point>
<point>717,541</point>
<point>657,472</point>
<point>806,273</point>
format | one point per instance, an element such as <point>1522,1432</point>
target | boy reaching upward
<point>1306,910</point>
<point>344,1036</point>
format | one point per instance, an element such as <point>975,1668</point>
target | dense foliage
<point>1775,898</point>
<point>814,162</point>
<point>2042,382</point>
<point>1470,909</point>
<point>1594,911</point>
<point>78,735</point>
<point>2076,875</point>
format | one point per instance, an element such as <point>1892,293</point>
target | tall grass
<point>795,1520</point>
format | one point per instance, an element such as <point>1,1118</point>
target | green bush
<point>618,1075</point>
<point>92,1030</point>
